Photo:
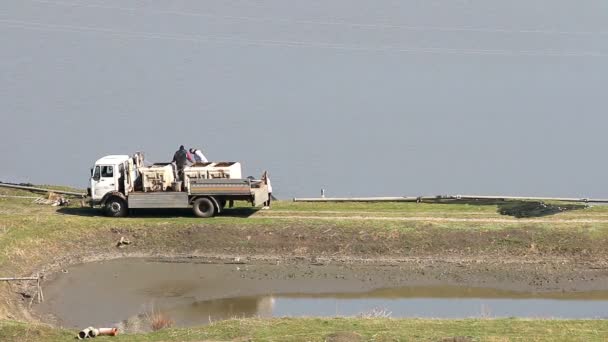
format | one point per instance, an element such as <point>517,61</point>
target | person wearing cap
<point>198,156</point>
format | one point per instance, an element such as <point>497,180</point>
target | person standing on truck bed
<point>266,179</point>
<point>181,158</point>
<point>198,155</point>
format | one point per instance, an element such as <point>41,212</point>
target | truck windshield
<point>96,173</point>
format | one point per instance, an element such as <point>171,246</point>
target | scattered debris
<point>236,261</point>
<point>91,332</point>
<point>376,313</point>
<point>38,295</point>
<point>53,199</point>
<point>40,200</point>
<point>533,248</point>
<point>123,242</point>
<point>314,261</point>
<point>523,209</point>
<point>25,295</point>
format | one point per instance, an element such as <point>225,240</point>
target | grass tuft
<point>159,320</point>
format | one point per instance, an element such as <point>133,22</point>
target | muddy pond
<point>196,293</point>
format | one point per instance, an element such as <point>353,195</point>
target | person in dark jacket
<point>180,158</point>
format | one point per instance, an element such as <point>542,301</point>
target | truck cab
<point>110,174</point>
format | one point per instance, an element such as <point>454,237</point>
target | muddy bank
<point>508,274</point>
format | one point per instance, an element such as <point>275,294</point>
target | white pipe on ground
<point>93,332</point>
<point>84,333</point>
<point>108,331</point>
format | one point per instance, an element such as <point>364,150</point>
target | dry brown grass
<point>159,320</point>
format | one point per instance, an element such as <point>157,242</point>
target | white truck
<point>121,182</point>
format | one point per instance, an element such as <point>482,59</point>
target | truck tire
<point>116,207</point>
<point>203,207</point>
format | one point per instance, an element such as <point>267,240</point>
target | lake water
<point>106,293</point>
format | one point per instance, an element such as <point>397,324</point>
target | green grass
<point>382,207</point>
<point>319,329</point>
<point>489,210</point>
<point>31,235</point>
<point>26,226</point>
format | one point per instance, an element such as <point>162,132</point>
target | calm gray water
<point>442,307</point>
<point>105,293</point>
<point>422,97</point>
<point>365,304</point>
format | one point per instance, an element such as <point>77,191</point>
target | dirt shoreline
<point>540,275</point>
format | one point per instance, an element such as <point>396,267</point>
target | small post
<point>322,193</point>
<point>38,290</point>
<point>40,294</point>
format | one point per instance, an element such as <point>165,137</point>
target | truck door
<point>103,180</point>
<point>121,178</point>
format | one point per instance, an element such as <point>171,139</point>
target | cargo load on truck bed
<point>230,170</point>
<point>157,177</point>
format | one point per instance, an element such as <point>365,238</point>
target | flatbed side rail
<point>220,186</point>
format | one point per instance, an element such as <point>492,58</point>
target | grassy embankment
<point>344,329</point>
<point>33,236</point>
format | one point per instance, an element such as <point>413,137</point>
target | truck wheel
<point>203,207</point>
<point>116,207</point>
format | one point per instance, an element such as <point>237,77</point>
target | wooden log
<point>38,279</point>
<point>19,278</point>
